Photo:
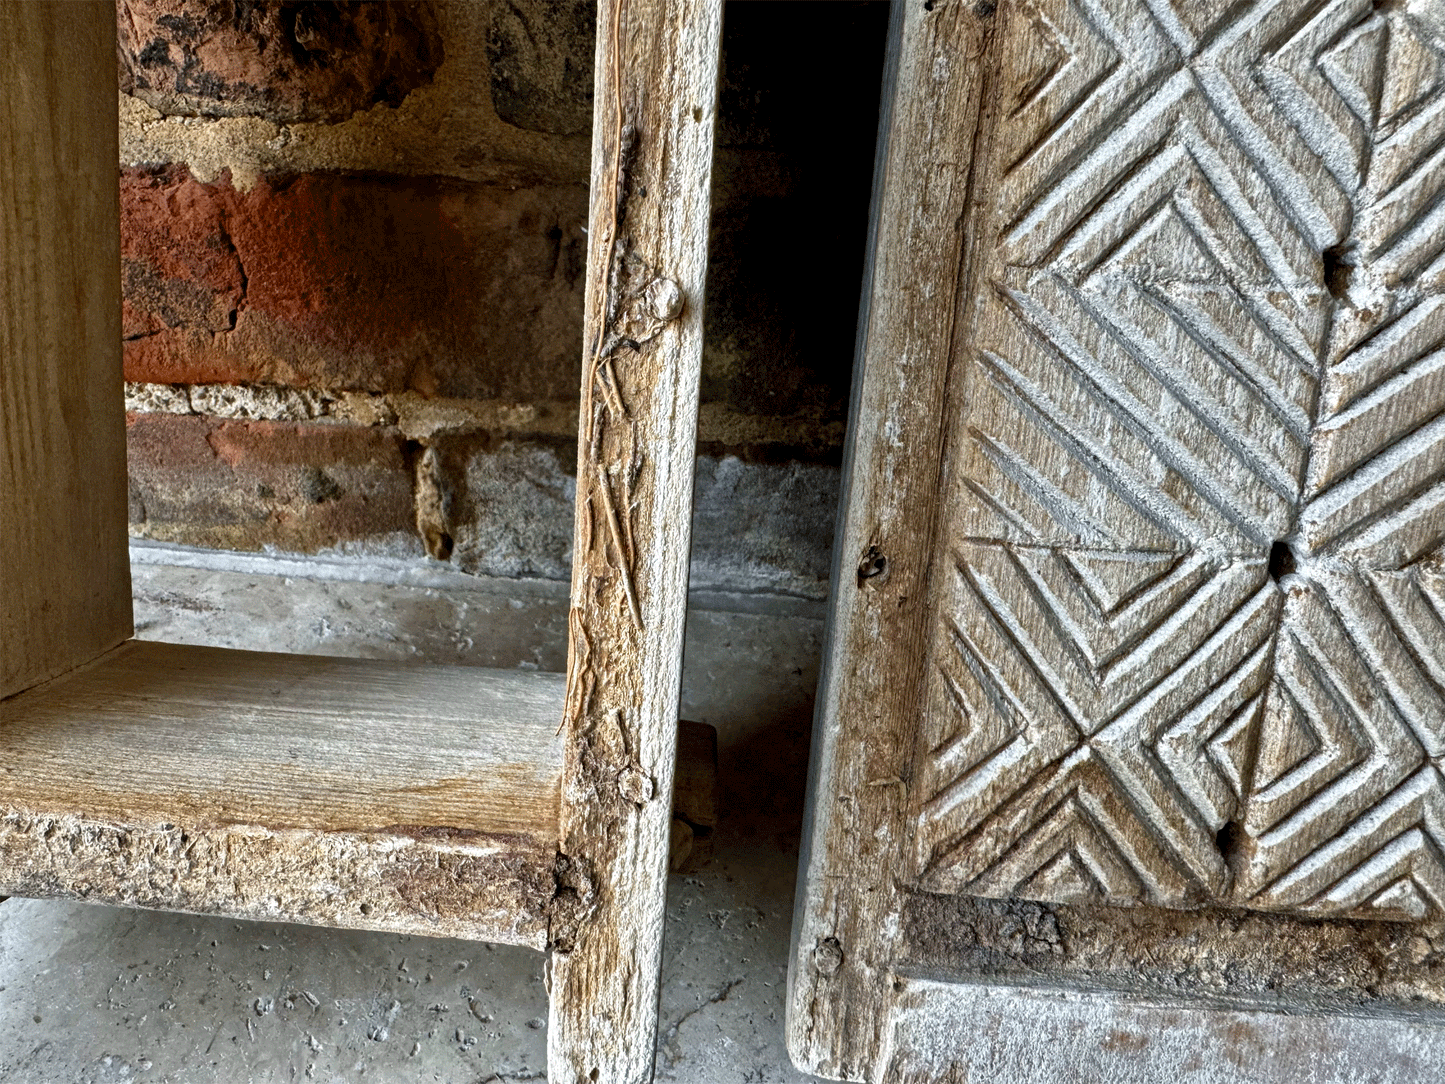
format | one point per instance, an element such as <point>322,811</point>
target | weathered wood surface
<point>839,970</point>
<point>1146,495</point>
<point>656,88</point>
<point>64,574</point>
<point>341,792</point>
<point>947,1034</point>
<point>1186,645</point>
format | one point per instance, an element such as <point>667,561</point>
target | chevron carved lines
<point>1360,660</point>
<point>1083,717</point>
<point>1149,342</point>
<point>1375,489</point>
<point>1189,644</point>
<point>1348,805</point>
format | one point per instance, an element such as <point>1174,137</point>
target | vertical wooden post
<point>66,576</point>
<point>657,65</point>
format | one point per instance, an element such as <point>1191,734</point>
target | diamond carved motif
<point>1189,634</point>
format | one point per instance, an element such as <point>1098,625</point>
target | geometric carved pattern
<point>1206,344</point>
<point>1060,727</point>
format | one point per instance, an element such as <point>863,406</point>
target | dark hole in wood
<point>1281,561</point>
<point>1337,270</point>
<point>1228,839</point>
<point>873,565</point>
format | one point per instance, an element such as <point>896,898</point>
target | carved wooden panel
<point>1187,643</point>
<point>1146,504</point>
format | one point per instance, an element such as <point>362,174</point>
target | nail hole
<point>439,543</point>
<point>984,8</point>
<point>1281,561</point>
<point>1337,270</point>
<point>1228,839</point>
<point>873,565</point>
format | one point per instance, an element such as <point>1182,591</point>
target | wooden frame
<point>506,806</point>
<point>1136,638</point>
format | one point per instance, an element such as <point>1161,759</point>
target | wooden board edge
<point>653,122</point>
<point>940,1032</point>
<point>64,565</point>
<point>483,888</point>
<point>848,897</point>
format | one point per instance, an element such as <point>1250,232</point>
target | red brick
<point>178,266</point>
<point>299,486</point>
<point>370,283</point>
<point>320,60</point>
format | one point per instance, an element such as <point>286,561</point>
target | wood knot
<point>573,900</point>
<point>663,299</point>
<point>827,956</point>
<point>635,785</point>
<point>644,302</point>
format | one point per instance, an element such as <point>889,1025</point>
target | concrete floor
<point>96,995</point>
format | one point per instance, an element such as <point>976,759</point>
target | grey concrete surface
<point>96,995</point>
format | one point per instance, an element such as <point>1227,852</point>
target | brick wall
<point>352,246</point>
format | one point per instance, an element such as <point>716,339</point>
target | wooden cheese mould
<point>440,800</point>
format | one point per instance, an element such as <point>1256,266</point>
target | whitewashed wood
<point>64,576</point>
<point>1145,495</point>
<point>655,104</point>
<point>342,792</point>
<point>944,1033</point>
<point>1206,343</point>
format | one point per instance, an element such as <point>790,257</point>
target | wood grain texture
<point>839,969</point>
<point>341,792</point>
<point>655,105</point>
<point>948,1033</point>
<point>64,572</point>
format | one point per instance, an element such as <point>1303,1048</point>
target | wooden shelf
<point>346,792</point>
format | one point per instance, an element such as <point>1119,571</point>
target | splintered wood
<point>652,156</point>
<point>1148,486</point>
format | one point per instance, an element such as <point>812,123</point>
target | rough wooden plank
<point>66,579</point>
<point>334,791</point>
<point>1168,625</point>
<point>656,88</point>
<point>839,969</point>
